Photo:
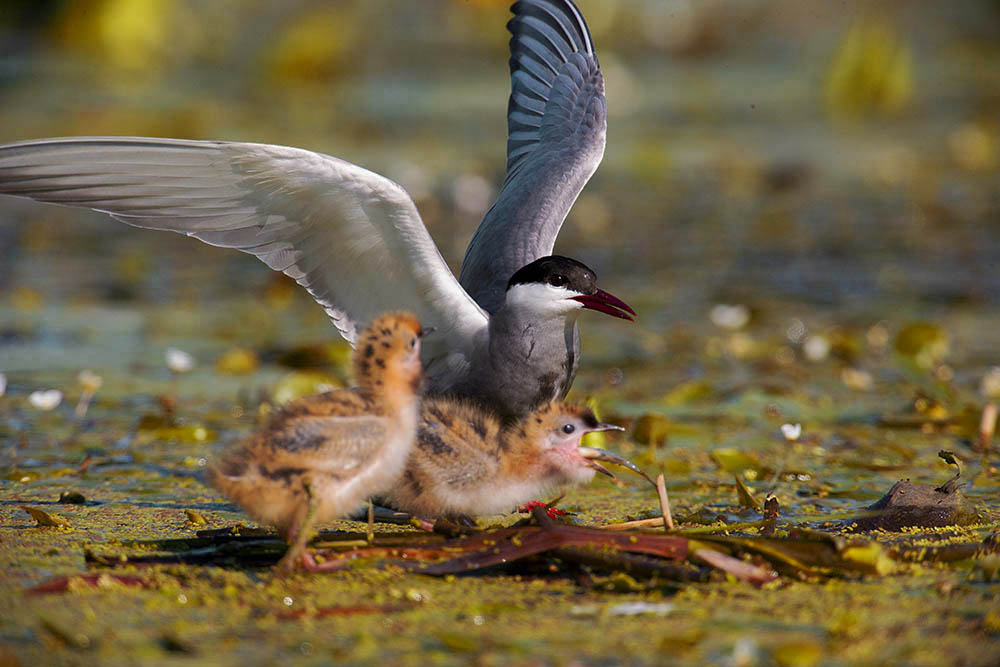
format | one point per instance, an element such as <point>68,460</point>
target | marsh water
<point>800,200</point>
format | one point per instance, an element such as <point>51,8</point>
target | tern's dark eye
<point>558,280</point>
<point>568,428</point>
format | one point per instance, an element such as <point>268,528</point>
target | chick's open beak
<point>594,454</point>
<point>606,303</point>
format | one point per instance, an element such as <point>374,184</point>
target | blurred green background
<point>741,133</point>
<point>822,164</point>
<point>836,155</point>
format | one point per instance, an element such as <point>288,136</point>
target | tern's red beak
<point>606,303</point>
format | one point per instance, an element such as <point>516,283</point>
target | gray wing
<point>352,238</point>
<point>556,127</point>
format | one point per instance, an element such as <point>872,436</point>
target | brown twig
<point>987,427</point>
<point>661,491</point>
<point>742,570</point>
<point>629,525</point>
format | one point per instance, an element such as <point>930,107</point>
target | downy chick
<point>321,456</point>
<point>467,463</point>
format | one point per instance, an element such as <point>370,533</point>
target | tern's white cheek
<point>539,298</point>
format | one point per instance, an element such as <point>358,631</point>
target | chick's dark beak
<point>594,454</point>
<point>606,303</point>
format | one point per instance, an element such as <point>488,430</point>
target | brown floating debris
<point>72,498</point>
<point>64,584</point>
<point>630,525</point>
<point>771,510</point>
<point>531,541</point>
<point>742,570</point>
<point>909,504</point>
<point>343,610</point>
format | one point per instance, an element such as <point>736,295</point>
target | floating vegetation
<point>787,270</point>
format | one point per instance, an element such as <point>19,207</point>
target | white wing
<point>352,238</point>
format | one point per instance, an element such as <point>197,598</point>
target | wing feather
<point>556,127</point>
<point>352,238</point>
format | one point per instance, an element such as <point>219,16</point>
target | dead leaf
<point>43,518</point>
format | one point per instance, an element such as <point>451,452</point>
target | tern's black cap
<point>558,271</point>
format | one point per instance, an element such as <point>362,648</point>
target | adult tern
<point>506,335</point>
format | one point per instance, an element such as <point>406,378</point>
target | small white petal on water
<point>89,380</point>
<point>47,399</point>
<point>730,317</point>
<point>816,348</point>
<point>179,361</point>
<point>791,431</point>
<point>637,608</point>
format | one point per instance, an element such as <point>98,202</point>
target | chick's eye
<point>558,280</point>
<point>568,428</point>
<point>413,343</point>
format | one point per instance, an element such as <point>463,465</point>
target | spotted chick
<point>321,456</point>
<point>467,462</point>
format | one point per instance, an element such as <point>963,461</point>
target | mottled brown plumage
<point>466,462</point>
<point>321,456</point>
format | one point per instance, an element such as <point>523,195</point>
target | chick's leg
<point>300,534</point>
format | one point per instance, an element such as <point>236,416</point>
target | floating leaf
<point>237,361</point>
<point>872,71</point>
<point>798,653</point>
<point>734,461</point>
<point>871,557</point>
<point>689,392</point>
<point>43,518</point>
<point>460,643</point>
<point>297,384</point>
<point>746,496</point>
<point>925,343</point>
<point>195,518</point>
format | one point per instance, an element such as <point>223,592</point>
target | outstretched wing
<point>352,238</point>
<point>556,127</point>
